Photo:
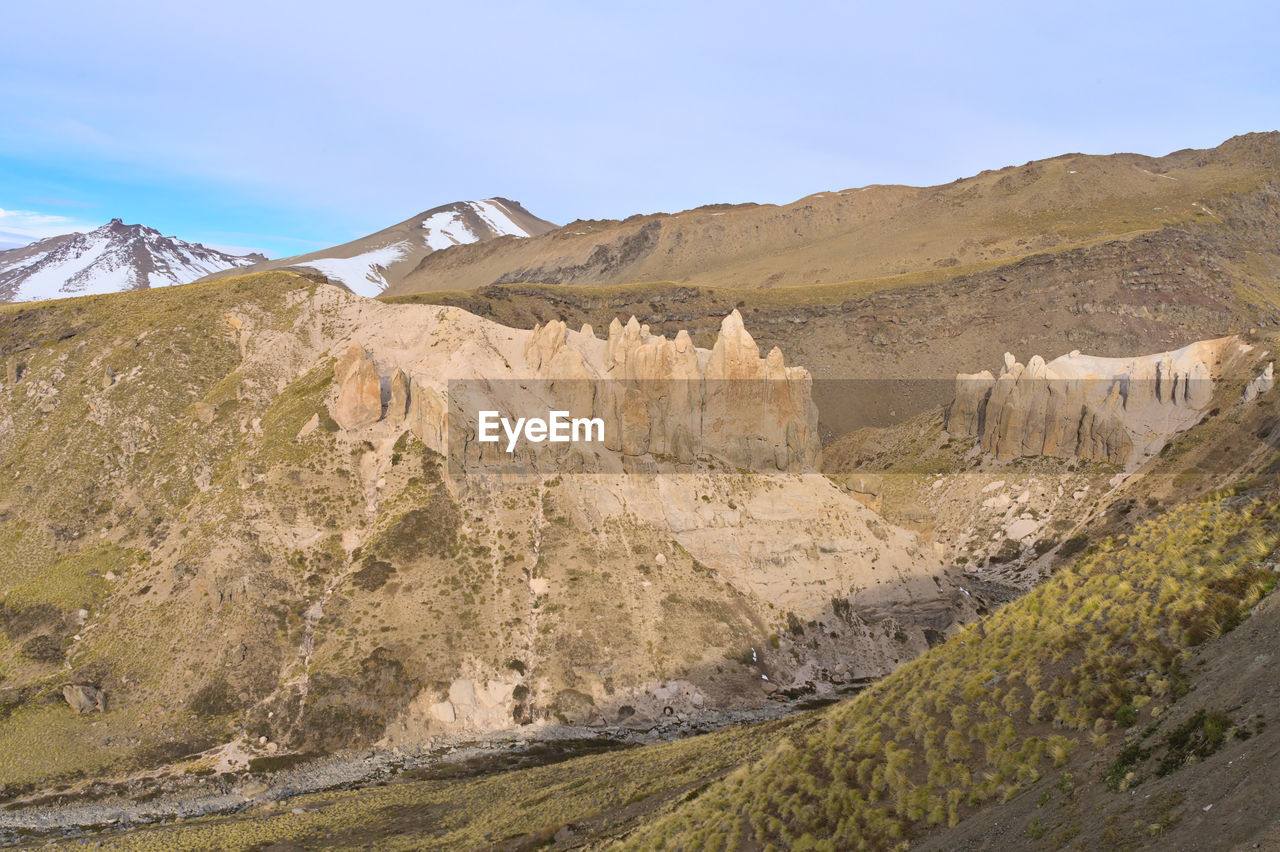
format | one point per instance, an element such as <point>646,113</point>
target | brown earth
<point>859,235</point>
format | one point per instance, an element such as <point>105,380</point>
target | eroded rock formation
<point>359,390</point>
<point>1117,410</point>
<point>1261,383</point>
<point>657,396</point>
<point>398,403</point>
<point>670,398</point>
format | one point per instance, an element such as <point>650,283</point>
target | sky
<point>287,127</point>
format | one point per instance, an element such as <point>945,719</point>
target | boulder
<point>574,707</point>
<point>85,698</point>
<point>868,488</point>
<point>1261,383</point>
<point>462,692</point>
<point>1021,528</point>
<point>310,426</point>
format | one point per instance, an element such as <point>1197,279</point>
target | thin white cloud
<point>26,226</point>
<point>237,250</point>
<point>60,202</point>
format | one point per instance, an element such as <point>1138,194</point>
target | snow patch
<point>445,229</point>
<point>360,273</point>
<point>54,278</point>
<point>492,214</point>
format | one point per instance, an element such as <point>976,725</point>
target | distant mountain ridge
<point>371,264</point>
<point>877,232</point>
<point>108,259</point>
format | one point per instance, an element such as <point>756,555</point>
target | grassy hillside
<point>1067,689</point>
<point>101,447</point>
<point>1213,272</point>
<point>874,232</point>
<point>1097,648</point>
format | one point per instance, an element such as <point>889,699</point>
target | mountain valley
<point>941,516</point>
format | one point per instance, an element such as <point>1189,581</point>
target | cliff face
<point>658,397</point>
<point>670,398</point>
<point>709,458</point>
<point>1117,410</point>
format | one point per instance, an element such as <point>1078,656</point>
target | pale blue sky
<point>289,126</point>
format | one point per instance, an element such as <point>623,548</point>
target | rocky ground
<point>266,783</point>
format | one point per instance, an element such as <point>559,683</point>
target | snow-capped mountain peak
<point>456,223</point>
<point>108,259</point>
<point>368,265</point>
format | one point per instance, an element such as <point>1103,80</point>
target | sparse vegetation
<point>978,718</point>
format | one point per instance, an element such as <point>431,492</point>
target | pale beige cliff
<point>665,399</point>
<point>1117,410</point>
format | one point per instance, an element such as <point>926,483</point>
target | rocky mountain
<point>1041,593</point>
<point>879,236</point>
<point>371,264</point>
<point>1124,697</point>
<point>106,260</point>
<point>1154,255</point>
